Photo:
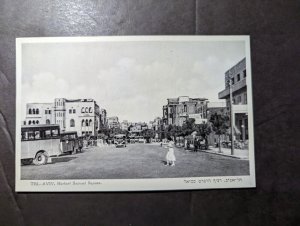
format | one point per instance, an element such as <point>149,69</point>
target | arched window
<point>90,122</point>
<point>72,123</point>
<point>82,110</point>
<point>74,111</point>
<point>86,122</point>
<point>33,122</point>
<point>29,123</point>
<point>37,122</point>
<point>86,110</point>
<point>90,110</point>
<point>82,123</point>
<point>47,121</point>
<point>30,112</point>
<point>37,111</point>
<point>33,111</point>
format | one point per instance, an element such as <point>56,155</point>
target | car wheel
<point>40,159</point>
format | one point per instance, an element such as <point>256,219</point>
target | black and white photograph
<point>134,113</point>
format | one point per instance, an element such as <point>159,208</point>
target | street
<point>135,161</point>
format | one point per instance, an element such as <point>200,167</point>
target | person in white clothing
<point>170,157</point>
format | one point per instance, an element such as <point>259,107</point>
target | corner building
<point>178,110</point>
<point>237,76</point>
<point>80,115</point>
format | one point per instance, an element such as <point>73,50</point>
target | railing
<point>224,93</point>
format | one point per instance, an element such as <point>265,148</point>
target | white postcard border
<point>105,185</point>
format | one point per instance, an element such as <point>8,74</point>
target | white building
<point>113,122</point>
<point>124,125</point>
<point>81,115</point>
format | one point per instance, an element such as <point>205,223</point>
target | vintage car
<point>70,142</point>
<point>120,140</point>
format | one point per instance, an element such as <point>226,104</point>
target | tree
<point>188,127</point>
<point>220,125</point>
<point>204,130</point>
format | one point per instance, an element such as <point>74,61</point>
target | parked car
<point>120,140</point>
<point>69,142</point>
<point>141,139</point>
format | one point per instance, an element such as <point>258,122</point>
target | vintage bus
<point>120,140</point>
<point>70,142</point>
<point>38,143</point>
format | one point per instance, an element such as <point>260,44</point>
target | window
<point>74,111</point>
<point>90,110</point>
<point>238,77</point>
<point>239,99</point>
<point>33,122</point>
<point>90,122</point>
<point>37,122</point>
<point>49,111</point>
<point>37,111</point>
<point>24,135</point>
<point>37,135</point>
<point>55,133</point>
<point>232,81</point>
<point>82,122</point>
<point>47,121</point>
<point>29,123</point>
<point>31,135</point>
<point>33,111</point>
<point>86,110</point>
<point>47,133</point>
<point>72,123</point>
<point>185,108</point>
<point>244,73</point>
<point>245,98</point>
<point>86,123</point>
<point>46,112</point>
<point>82,110</point>
<point>30,112</point>
<point>70,111</point>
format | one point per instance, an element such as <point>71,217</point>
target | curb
<point>222,154</point>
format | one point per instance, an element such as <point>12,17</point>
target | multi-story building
<point>81,115</point>
<point>113,122</point>
<point>124,125</point>
<point>103,118</point>
<point>178,110</point>
<point>236,76</point>
<point>156,125</point>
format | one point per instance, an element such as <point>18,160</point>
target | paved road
<point>135,161</point>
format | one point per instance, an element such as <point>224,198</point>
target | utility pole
<point>231,117</point>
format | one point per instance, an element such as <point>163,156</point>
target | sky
<point>131,80</point>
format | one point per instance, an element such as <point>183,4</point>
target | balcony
<point>225,93</point>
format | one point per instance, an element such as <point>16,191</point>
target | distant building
<point>237,76</point>
<point>156,125</point>
<point>103,118</point>
<point>216,107</point>
<point>81,115</point>
<point>178,110</point>
<point>124,125</point>
<point>113,122</point>
<point>137,128</point>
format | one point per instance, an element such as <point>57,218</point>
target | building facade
<point>80,115</point>
<point>236,76</point>
<point>124,125</point>
<point>178,110</point>
<point>113,122</point>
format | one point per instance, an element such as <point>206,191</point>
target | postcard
<point>134,113</point>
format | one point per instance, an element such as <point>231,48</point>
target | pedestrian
<point>170,157</point>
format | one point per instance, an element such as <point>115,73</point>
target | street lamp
<point>231,117</point>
